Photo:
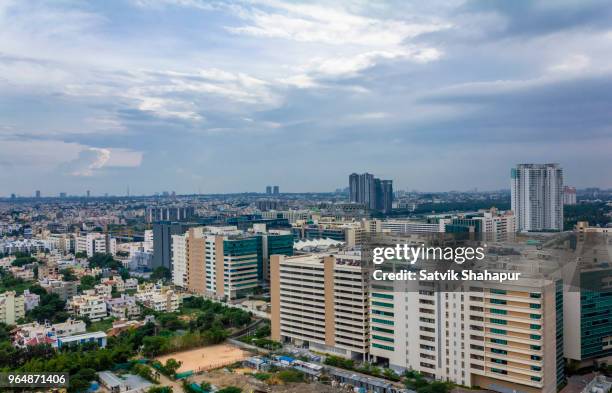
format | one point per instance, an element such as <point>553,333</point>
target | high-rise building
<point>226,262</point>
<point>372,192</point>
<point>268,190</point>
<point>537,197</point>
<point>276,190</point>
<point>88,193</point>
<point>62,195</point>
<point>37,193</point>
<point>385,198</point>
<point>569,195</point>
<point>222,262</point>
<point>588,301</point>
<point>502,337</point>
<point>321,301</point>
<point>179,260</point>
<point>162,241</point>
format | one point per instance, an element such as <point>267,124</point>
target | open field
<point>206,358</point>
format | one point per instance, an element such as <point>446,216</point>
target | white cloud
<point>327,25</point>
<point>92,159</point>
<point>88,161</point>
<point>573,63</point>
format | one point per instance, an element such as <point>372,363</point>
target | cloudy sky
<point>200,95</point>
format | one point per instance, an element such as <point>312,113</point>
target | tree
<point>104,261</point>
<point>51,308</point>
<point>172,366</point>
<point>435,387</point>
<point>230,389</point>
<point>68,275</point>
<point>160,389</point>
<point>161,273</point>
<point>22,261</point>
<point>154,345</point>
<point>88,282</point>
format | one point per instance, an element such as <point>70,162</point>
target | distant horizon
<point>256,193</point>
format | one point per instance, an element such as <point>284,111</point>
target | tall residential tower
<point>537,197</point>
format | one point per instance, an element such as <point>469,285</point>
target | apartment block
<point>64,289</point>
<point>537,196</point>
<point>321,301</point>
<point>94,243</point>
<point>12,307</point>
<point>158,297</point>
<point>88,305</point>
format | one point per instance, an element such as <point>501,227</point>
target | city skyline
<point>211,96</point>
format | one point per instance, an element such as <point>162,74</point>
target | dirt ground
<point>206,358</point>
<point>248,383</point>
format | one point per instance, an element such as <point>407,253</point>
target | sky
<point>230,96</point>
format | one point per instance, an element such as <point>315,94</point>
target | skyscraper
<point>374,193</point>
<point>268,190</point>
<point>37,193</point>
<point>276,190</point>
<point>537,196</point>
<point>162,241</point>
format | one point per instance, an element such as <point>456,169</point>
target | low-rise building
<point>64,289</point>
<point>158,297</point>
<point>31,300</point>
<point>95,337</point>
<point>24,272</point>
<point>123,307</point>
<point>36,333</point>
<point>88,305</point>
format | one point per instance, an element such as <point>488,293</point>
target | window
<point>535,295</point>
<point>381,304</point>
<point>385,322</point>
<point>498,331</point>
<point>497,301</point>
<point>535,337</point>
<point>535,316</point>
<point>379,329</point>
<point>498,341</point>
<point>500,351</point>
<point>534,326</point>
<point>382,296</point>
<point>499,371</point>
<point>382,338</point>
<point>498,291</point>
<point>498,311</point>
<point>536,347</point>
<point>535,305</point>
<point>385,347</point>
<point>498,321</point>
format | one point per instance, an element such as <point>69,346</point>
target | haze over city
<point>215,97</point>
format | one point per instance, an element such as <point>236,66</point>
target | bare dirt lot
<point>206,358</point>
